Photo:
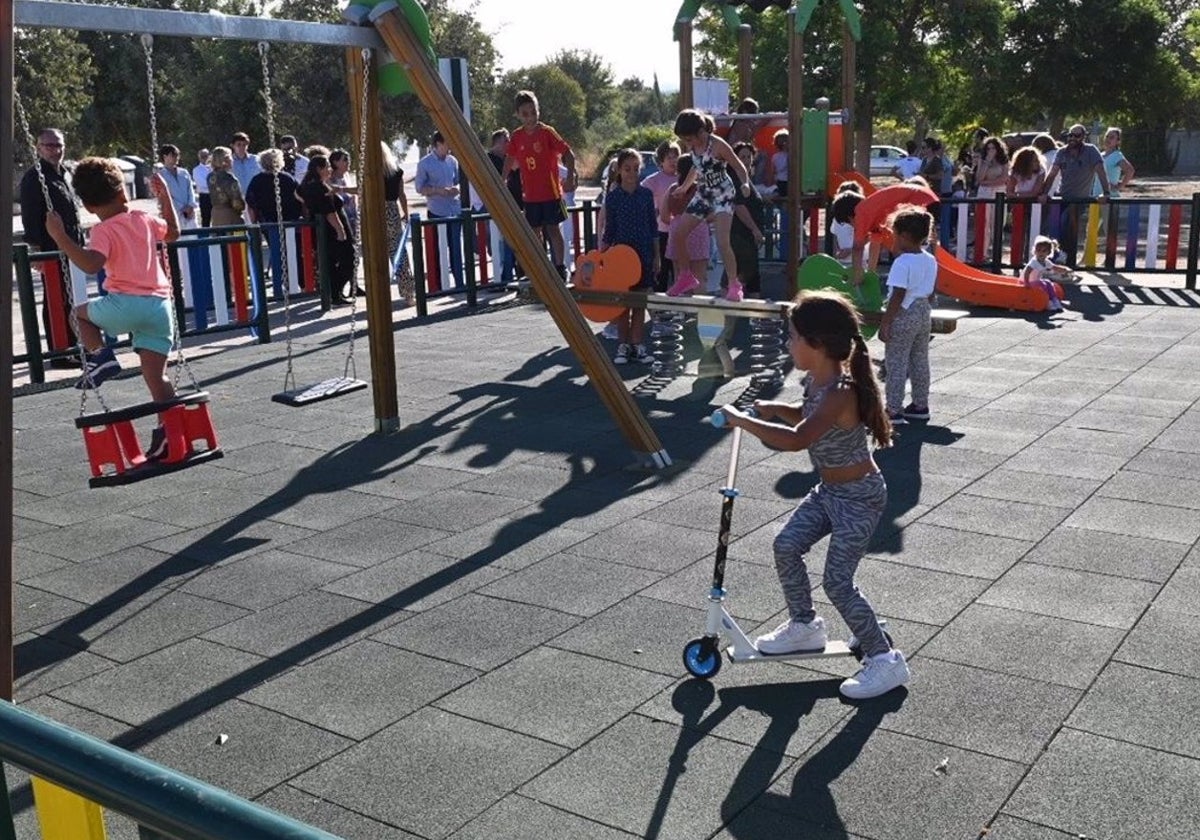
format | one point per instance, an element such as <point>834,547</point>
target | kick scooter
<point>702,656</point>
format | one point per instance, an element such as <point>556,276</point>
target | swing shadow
<point>784,705</point>
<point>503,422</point>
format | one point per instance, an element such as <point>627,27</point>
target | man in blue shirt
<point>437,180</point>
<point>1080,165</point>
<point>179,182</point>
<point>245,165</point>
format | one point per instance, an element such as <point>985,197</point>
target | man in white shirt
<point>200,173</point>
<point>909,165</point>
<point>293,161</point>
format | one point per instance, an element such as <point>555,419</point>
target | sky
<point>635,36</point>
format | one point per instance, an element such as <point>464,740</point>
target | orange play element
<point>836,178</point>
<point>971,285</point>
<point>616,270</point>
<point>872,213</point>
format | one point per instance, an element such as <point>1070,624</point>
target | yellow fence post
<point>64,815</point>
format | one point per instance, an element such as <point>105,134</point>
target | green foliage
<point>643,138</point>
<point>595,79</point>
<point>54,77</point>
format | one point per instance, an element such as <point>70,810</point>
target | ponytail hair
<point>830,322</point>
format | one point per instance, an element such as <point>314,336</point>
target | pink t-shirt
<point>659,183</point>
<point>128,242</point>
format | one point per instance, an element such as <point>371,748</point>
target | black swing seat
<point>326,390</point>
<point>115,454</point>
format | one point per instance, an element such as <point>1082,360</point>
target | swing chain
<point>264,47</point>
<point>68,286</point>
<point>350,369</point>
<point>181,362</point>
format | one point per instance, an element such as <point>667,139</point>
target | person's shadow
<point>785,705</point>
<point>901,466</point>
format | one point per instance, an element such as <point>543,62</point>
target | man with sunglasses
<point>51,151</point>
<point>1080,165</point>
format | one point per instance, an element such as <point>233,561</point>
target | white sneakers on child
<point>878,675</point>
<point>794,637</point>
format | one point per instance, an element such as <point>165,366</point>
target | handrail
<point>170,803</point>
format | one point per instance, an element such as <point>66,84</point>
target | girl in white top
<point>907,321</point>
<point>1039,271</point>
<point>779,162</point>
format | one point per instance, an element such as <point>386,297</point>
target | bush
<point>642,138</point>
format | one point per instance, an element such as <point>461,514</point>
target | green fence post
<point>468,246</point>
<point>29,319</point>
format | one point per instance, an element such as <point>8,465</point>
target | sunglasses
<point>51,145</point>
<point>1075,136</point>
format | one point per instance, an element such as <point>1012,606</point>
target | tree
<point>54,76</point>
<point>560,97</point>
<point>595,78</point>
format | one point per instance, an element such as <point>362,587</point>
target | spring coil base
<point>768,351</point>
<point>666,342</point>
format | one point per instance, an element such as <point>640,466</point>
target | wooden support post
<point>7,527</point>
<point>375,246</point>
<point>745,37</point>
<point>795,232</point>
<point>683,34</point>
<point>849,71</point>
<point>403,44</point>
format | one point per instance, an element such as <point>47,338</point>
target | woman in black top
<point>324,204</point>
<point>260,199</point>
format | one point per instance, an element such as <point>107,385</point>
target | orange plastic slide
<point>971,285</point>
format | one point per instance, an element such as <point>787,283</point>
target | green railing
<point>165,804</point>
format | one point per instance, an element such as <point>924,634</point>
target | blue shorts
<point>148,319</point>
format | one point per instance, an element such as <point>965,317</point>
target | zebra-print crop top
<point>838,447</point>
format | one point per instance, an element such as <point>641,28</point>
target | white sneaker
<point>610,332</point>
<point>641,354</point>
<point>624,351</point>
<point>878,675</point>
<point>794,637</point>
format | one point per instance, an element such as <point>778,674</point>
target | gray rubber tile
<point>991,440</point>
<point>954,551</point>
<point>1038,647</point>
<point>957,461</point>
<point>263,748</point>
<point>1165,640</point>
<point>122,576</point>
<point>208,506</point>
<point>98,537</point>
<point>1005,827</point>
<point>758,821</point>
<point>1153,489</point>
<point>997,419</point>
<point>1137,519</point>
<point>999,518</point>
<point>1164,462</point>
<point>192,675</point>
<point>836,785</point>
<point>997,714</point>
<point>980,381</point>
<point>555,695</point>
<point>477,631</point>
<point>1119,405</point>
<point>1036,488</point>
<point>430,773</point>
<point>920,595</point>
<point>29,564</point>
<point>415,581</point>
<point>324,512</point>
<point>655,546</point>
<point>360,688</point>
<point>577,585</point>
<point>640,632</point>
<point>650,778</point>
<point>24,527</point>
<point>319,813</point>
<point>452,509</point>
<point>33,609</point>
<point>263,579</point>
<point>42,664</point>
<point>518,817</point>
<point>1180,437</point>
<point>308,625</point>
<point>1065,593</point>
<point>412,481</point>
<point>772,706</point>
<point>1091,786</point>
<point>1110,554</point>
<point>1142,706</point>
<point>509,543</point>
<point>234,538</point>
<point>701,510</point>
<point>521,481</point>
<point>1042,460</point>
<point>1096,440</point>
<point>131,627</point>
<point>367,542</point>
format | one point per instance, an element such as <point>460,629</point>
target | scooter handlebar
<point>718,417</point>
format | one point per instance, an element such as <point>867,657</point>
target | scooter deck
<point>832,649</point>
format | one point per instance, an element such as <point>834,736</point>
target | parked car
<point>884,159</point>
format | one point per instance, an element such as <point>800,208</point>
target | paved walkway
<point>472,629</point>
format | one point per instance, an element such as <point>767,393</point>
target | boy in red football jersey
<point>535,149</point>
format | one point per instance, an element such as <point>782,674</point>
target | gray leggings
<point>906,355</point>
<point>850,513</point>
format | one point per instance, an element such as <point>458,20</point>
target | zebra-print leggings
<point>849,512</point>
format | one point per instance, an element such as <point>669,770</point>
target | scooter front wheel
<point>702,658</point>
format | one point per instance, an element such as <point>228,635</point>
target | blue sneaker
<point>101,366</point>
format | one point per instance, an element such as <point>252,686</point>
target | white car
<point>884,159</point>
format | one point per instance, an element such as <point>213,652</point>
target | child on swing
<point>713,159</point>
<point>840,412</point>
<point>125,245</point>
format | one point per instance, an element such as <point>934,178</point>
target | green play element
<point>814,164</point>
<point>805,8</point>
<point>821,271</point>
<point>393,79</point>
<point>691,8</point>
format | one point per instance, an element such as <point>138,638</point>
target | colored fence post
<point>589,226</point>
<point>1131,239</point>
<point>468,249</point>
<point>997,219</point>
<point>63,815</point>
<point>29,319</point>
<point>418,267</point>
<point>483,245</point>
<point>1020,211</point>
<point>1174,222</point>
<point>52,290</point>
<point>324,281</point>
<point>1193,254</point>
<point>1091,242</point>
<point>944,231</point>
<point>1110,234</point>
